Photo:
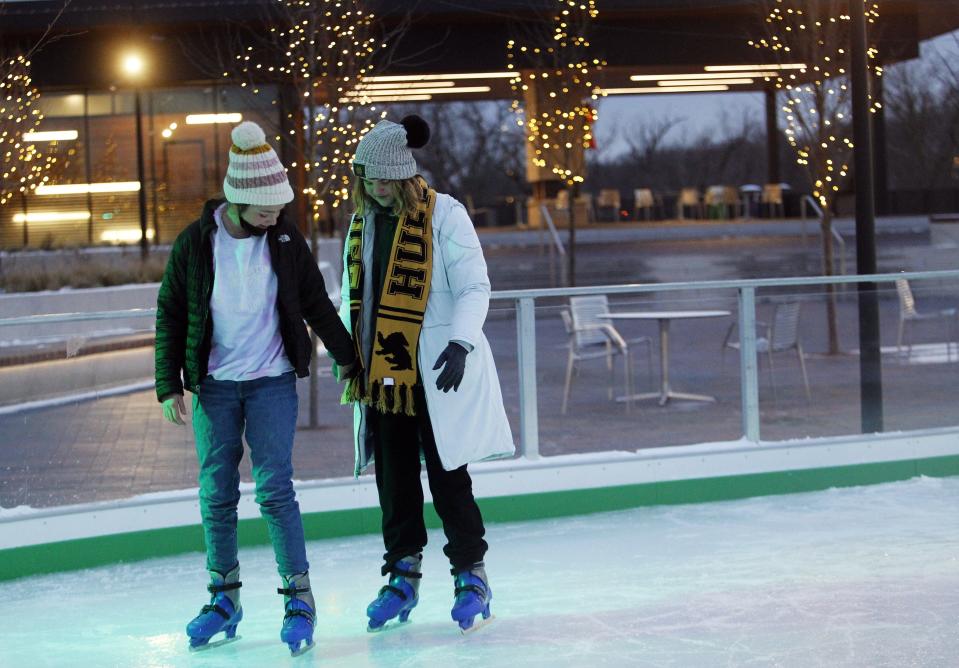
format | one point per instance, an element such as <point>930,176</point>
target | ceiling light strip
<point>209,119</point>
<point>50,216</point>
<point>441,77</point>
<point>412,85</point>
<point>51,135</point>
<point>420,91</point>
<point>707,82</point>
<point>659,90</point>
<point>717,77</point>
<point>84,188</point>
<point>362,99</point>
<point>761,68</point>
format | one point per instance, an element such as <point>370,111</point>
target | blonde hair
<point>406,194</point>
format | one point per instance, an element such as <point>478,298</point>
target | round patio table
<point>664,318</point>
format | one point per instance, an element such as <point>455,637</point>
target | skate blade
<point>303,650</point>
<point>478,625</point>
<point>389,626</point>
<point>215,643</point>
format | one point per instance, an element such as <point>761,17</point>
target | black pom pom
<point>417,131</point>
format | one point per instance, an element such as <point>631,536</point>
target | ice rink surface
<point>865,576</point>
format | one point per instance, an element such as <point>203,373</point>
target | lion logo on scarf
<point>395,348</point>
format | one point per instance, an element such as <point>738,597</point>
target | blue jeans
<point>266,410</point>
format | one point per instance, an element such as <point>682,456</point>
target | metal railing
<point>557,251</point>
<point>524,303</point>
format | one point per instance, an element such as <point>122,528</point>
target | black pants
<point>397,442</point>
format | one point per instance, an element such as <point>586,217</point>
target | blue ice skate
<point>471,597</point>
<point>223,613</point>
<point>399,597</point>
<point>300,617</point>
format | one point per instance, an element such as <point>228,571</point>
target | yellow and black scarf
<point>388,385</point>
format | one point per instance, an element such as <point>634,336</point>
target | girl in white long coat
<point>415,297</point>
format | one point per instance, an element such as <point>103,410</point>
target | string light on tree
<point>816,104</point>
<point>22,165</point>
<point>560,125</point>
<point>327,46</point>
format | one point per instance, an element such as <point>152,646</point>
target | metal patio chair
<point>909,314</point>
<point>592,337</point>
<point>646,201</point>
<point>781,336</point>
<point>689,198</point>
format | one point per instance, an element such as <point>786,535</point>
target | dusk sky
<point>704,112</point>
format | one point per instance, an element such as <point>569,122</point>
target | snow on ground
<point>863,576</point>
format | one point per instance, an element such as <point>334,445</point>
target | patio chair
<point>689,198</point>
<point>781,336</point>
<point>908,313</point>
<point>645,200</point>
<point>608,203</point>
<point>584,203</point>
<point>487,214</point>
<point>722,202</point>
<point>592,337</point>
<point>772,200</point>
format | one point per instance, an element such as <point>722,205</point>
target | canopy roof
<point>635,37</point>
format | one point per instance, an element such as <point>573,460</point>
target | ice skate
<point>300,617</point>
<point>223,613</point>
<point>471,597</point>
<point>398,598</point>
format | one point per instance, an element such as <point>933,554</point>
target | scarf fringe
<point>396,399</point>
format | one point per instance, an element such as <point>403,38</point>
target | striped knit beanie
<point>384,152</point>
<point>255,174</point>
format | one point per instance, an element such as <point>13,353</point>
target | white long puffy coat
<point>469,424</point>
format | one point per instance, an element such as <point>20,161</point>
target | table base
<point>665,397</point>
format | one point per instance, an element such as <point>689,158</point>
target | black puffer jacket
<point>184,327</point>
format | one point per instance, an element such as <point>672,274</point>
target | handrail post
<point>528,412</point>
<point>748,363</point>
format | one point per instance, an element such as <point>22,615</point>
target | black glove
<point>351,370</point>
<point>454,356</point>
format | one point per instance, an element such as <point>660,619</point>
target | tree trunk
<point>827,270</point>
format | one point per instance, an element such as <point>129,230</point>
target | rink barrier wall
<point>43,541</point>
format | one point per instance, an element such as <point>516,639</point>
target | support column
<point>870,367</point>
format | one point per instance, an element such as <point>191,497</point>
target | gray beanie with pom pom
<point>384,152</point>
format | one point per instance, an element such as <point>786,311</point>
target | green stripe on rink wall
<point>136,546</point>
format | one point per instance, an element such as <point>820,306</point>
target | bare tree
<point>809,39</point>
<point>476,150</point>
<point>921,99</point>
<point>553,87</point>
<point>922,114</point>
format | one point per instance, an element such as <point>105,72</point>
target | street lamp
<point>133,66</point>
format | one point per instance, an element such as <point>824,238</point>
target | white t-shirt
<point>246,324</point>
